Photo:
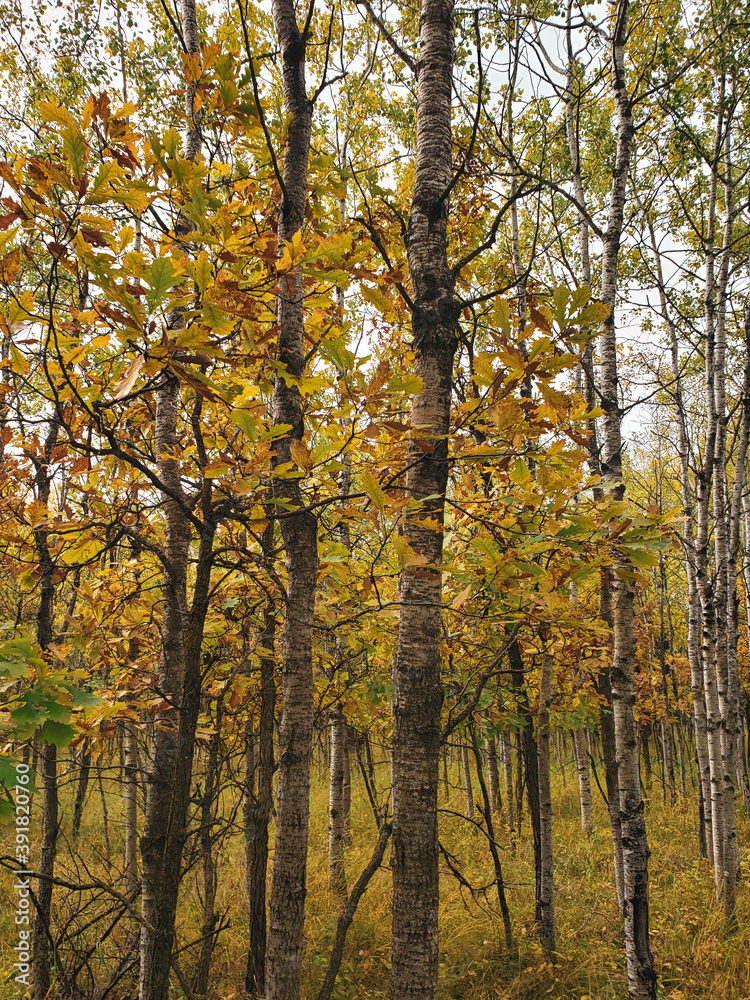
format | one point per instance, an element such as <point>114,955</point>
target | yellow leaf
<point>462,598</point>
<point>406,554</point>
<point>51,112</point>
<point>372,295</point>
<point>301,455</point>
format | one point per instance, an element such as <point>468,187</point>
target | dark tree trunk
<point>258,801</point>
<point>81,789</point>
<point>41,945</point>
<point>493,774</point>
<point>418,691</point>
<point>487,811</point>
<point>350,908</point>
<point>531,767</point>
<point>206,839</point>
<point>300,534</point>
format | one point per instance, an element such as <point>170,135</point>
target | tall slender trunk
<point>709,604</point>
<point>258,797</point>
<point>349,738</point>
<point>208,813</point>
<point>300,534</point>
<point>639,959</point>
<point>493,774</point>
<point>81,788</point>
<point>131,809</point>
<point>602,680</point>
<point>487,812</point>
<point>336,810</point>
<point>726,678</point>
<point>468,790</point>
<point>418,692</point>
<point>508,769</point>
<point>530,755</point>
<point>559,747</point>
<point>732,729</point>
<point>584,780</point>
<point>546,895</point>
<point>42,949</point>
<point>170,768</point>
<point>694,650</point>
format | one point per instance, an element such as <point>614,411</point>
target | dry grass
<point>696,960</point>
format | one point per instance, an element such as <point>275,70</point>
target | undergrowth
<point>696,958</point>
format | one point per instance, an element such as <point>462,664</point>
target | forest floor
<point>695,959</point>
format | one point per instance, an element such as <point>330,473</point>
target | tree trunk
<point>531,767</point>
<point>258,797</point>
<point>347,914</point>
<point>639,959</point>
<point>105,815</point>
<point>573,91</point>
<point>487,810</point>
<point>468,790</point>
<point>559,754</point>
<point>508,769</point>
<point>42,950</point>
<point>349,738</point>
<point>493,774</point>
<point>81,789</point>
<point>300,534</point>
<point>336,808</point>
<point>208,812</point>
<point>666,744</point>
<point>169,773</point>
<point>43,954</point>
<point>131,809</point>
<point>418,692</point>
<point>584,780</point>
<point>546,895</point>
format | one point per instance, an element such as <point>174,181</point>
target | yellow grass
<point>696,960</point>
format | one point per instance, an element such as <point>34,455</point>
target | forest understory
<point>374,380</point>
<point>695,958</point>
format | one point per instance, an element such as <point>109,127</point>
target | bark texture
<point>584,780</point>
<point>170,768</point>
<point>299,532</point>
<point>418,693</point>
<point>639,959</point>
<point>258,799</point>
<point>546,895</point>
<point>336,805</point>
<point>42,949</point>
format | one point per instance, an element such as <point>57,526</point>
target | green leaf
<point>8,774</point>
<point>10,668</point>
<point>56,732</point>
<point>519,472</point>
<point>160,275</point>
<point>246,422</point>
<point>200,270</point>
<point>374,490</point>
<point>75,149</point>
<point>84,699</point>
